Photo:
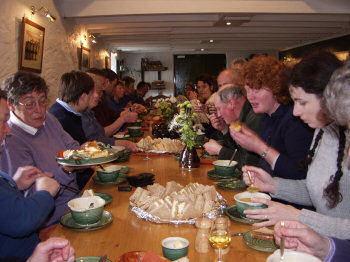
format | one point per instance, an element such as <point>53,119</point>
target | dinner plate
<point>86,162</point>
<point>259,244</point>
<point>234,215</point>
<point>233,185</point>
<point>107,197</point>
<point>68,222</point>
<point>118,181</point>
<point>90,259</point>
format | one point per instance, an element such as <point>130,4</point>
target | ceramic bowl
<point>134,130</point>
<point>223,169</point>
<point>110,173</point>
<point>175,247</point>
<point>292,256</point>
<point>83,212</point>
<point>243,204</point>
<point>137,123</point>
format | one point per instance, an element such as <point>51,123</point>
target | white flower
<point>172,100</point>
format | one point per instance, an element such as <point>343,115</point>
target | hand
<point>25,176</point>
<point>302,238</point>
<point>129,117</point>
<point>48,184</point>
<point>218,123</point>
<point>53,250</point>
<point>137,108</point>
<point>127,144</point>
<point>273,213</point>
<point>260,178</point>
<point>192,95</point>
<point>212,147</point>
<point>248,139</point>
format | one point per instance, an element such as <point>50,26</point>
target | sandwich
<point>237,126</point>
<point>263,233</point>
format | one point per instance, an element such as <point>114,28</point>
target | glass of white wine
<point>220,237</point>
<point>147,147</point>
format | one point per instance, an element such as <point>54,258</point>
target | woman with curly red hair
<point>283,139</point>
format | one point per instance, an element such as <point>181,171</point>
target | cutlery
<point>103,258</point>
<point>282,245</point>
<point>102,167</point>
<point>232,157</point>
<point>251,188</point>
<point>91,205</point>
<point>237,234</point>
<point>72,189</point>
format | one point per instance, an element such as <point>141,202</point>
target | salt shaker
<point>203,225</point>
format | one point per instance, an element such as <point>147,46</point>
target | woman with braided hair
<point>328,176</point>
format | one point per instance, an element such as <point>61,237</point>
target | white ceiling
<point>188,25</point>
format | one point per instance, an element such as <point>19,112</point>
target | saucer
<point>68,222</point>
<point>232,185</point>
<point>259,244</point>
<point>234,215</point>
<point>90,259</point>
<point>118,181</point>
<point>212,175</point>
<point>107,197</point>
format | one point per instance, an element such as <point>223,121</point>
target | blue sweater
<point>290,137</point>
<point>20,217</point>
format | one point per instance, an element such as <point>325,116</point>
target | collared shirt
<point>67,107</point>
<point>18,122</point>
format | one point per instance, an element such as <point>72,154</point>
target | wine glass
<point>220,237</point>
<point>147,147</point>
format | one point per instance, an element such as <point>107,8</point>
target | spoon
<point>282,245</point>
<point>101,166</point>
<point>91,205</point>
<point>251,188</point>
<point>232,157</point>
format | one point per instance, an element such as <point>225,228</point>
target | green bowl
<point>171,248</point>
<point>243,204</point>
<point>110,174</point>
<point>81,211</point>
<point>223,169</point>
<point>134,130</point>
<point>137,123</point>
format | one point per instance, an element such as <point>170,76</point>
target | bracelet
<point>263,155</point>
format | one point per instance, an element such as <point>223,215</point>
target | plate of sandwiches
<point>91,153</point>
<point>176,204</point>
<point>261,239</point>
<point>160,145</point>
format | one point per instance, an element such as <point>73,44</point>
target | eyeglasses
<point>32,104</point>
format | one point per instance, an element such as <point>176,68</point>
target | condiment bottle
<point>203,225</point>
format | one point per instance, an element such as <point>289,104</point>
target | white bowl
<point>292,256</point>
<point>82,204</point>
<point>224,163</point>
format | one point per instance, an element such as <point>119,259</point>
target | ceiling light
<point>211,40</point>
<point>202,49</point>
<point>44,11</point>
<point>93,39</point>
<point>228,23</point>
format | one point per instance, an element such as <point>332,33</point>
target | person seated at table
<point>238,63</point>
<point>190,91</point>
<point>228,76</point>
<point>328,176</point>
<point>21,216</point>
<point>283,139</point>
<point>231,106</point>
<point>141,90</point>
<point>129,87</point>
<point>35,138</point>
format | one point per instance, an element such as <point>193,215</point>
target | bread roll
<point>237,126</point>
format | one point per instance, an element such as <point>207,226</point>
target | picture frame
<point>85,59</point>
<point>32,46</point>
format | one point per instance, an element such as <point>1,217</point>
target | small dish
<point>118,181</point>
<point>68,222</point>
<point>259,244</point>
<point>223,168</point>
<point>175,247</point>
<point>87,210</point>
<point>234,215</point>
<point>243,201</point>
<point>89,259</point>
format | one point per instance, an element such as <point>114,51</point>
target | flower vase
<point>189,158</point>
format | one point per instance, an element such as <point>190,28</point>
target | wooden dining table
<point>127,232</point>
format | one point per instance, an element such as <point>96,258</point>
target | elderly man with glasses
<point>35,138</point>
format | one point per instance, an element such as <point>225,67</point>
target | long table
<point>129,233</point>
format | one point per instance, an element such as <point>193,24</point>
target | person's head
<point>4,116</point>
<point>27,97</point>
<point>111,80</point>
<point>142,88</point>
<point>100,74</point>
<point>205,87</point>
<point>76,89</point>
<point>228,76</point>
<point>119,91</point>
<point>98,91</point>
<point>129,84</point>
<point>238,63</point>
<point>229,102</point>
<point>308,80</point>
<point>189,87</point>
<point>266,84</point>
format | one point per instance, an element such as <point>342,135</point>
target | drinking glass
<point>220,237</point>
<point>147,147</point>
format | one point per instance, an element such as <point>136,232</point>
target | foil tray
<point>218,211</point>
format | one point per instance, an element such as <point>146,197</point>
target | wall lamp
<point>93,39</point>
<point>44,11</point>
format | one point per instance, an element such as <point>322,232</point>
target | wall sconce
<point>44,11</point>
<point>93,39</point>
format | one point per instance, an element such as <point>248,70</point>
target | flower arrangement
<point>166,106</point>
<point>184,124</point>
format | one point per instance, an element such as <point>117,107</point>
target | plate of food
<point>260,239</point>
<point>92,153</point>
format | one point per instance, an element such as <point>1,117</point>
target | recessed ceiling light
<point>202,49</point>
<point>228,23</point>
<point>211,40</point>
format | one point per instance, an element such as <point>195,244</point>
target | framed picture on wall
<point>32,46</point>
<point>85,59</point>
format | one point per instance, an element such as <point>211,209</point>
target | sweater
<point>333,222</point>
<point>20,217</point>
<point>24,149</point>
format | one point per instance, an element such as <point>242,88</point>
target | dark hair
<point>73,85</point>
<point>119,82</point>
<point>208,79</point>
<point>22,83</point>
<point>191,85</point>
<point>128,80</point>
<point>313,72</point>
<point>110,74</point>
<point>142,84</point>
<point>3,94</point>
<point>96,71</point>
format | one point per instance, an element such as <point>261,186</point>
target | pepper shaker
<point>203,225</point>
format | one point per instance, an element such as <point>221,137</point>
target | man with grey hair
<point>231,106</point>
